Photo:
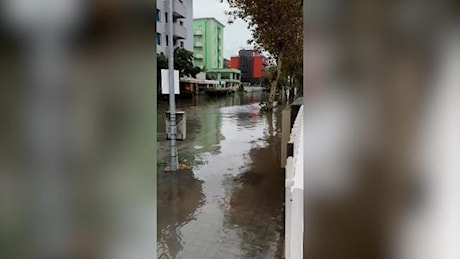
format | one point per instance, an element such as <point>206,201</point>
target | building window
<point>174,42</point>
<point>166,17</point>
<point>182,44</point>
<point>167,40</point>
<point>159,38</point>
<point>158,16</point>
<point>225,75</point>
<point>181,23</point>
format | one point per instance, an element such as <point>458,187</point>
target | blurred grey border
<point>78,129</point>
<point>374,74</point>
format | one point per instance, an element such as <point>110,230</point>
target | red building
<point>235,62</point>
<point>258,66</point>
<point>251,64</point>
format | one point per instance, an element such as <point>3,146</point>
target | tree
<point>276,26</point>
<point>293,69</point>
<point>183,62</point>
<point>269,75</point>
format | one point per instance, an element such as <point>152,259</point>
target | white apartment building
<point>183,24</point>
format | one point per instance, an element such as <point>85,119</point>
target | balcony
<point>198,56</point>
<point>180,32</point>
<point>179,10</point>
<point>199,44</point>
<point>198,32</point>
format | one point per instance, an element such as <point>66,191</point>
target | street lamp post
<point>172,101</point>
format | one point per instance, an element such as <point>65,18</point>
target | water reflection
<point>230,204</point>
<point>254,203</point>
<point>180,195</point>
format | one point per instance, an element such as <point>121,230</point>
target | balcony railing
<point>179,9</point>
<point>180,32</point>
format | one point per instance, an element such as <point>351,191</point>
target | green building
<point>208,36</point>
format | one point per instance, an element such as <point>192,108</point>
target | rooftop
<point>209,18</point>
<point>225,70</point>
<point>199,81</point>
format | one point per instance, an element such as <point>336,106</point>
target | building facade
<point>208,36</point>
<point>182,22</point>
<point>252,65</point>
<point>227,77</point>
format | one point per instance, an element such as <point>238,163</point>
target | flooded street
<point>230,203</point>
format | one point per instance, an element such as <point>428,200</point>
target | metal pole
<point>172,101</point>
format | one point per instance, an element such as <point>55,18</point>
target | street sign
<point>165,82</point>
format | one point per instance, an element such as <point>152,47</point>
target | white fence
<point>294,193</point>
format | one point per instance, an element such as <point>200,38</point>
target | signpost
<point>165,82</point>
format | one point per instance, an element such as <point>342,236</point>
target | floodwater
<point>230,203</point>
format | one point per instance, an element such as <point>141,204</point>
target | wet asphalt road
<point>230,203</point>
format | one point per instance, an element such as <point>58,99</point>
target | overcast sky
<point>236,34</point>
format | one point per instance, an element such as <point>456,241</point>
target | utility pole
<point>172,98</point>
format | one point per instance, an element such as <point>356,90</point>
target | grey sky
<point>236,34</point>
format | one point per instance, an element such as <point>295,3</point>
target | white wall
<point>188,24</point>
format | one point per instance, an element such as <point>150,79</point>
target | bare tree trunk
<point>274,85</point>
